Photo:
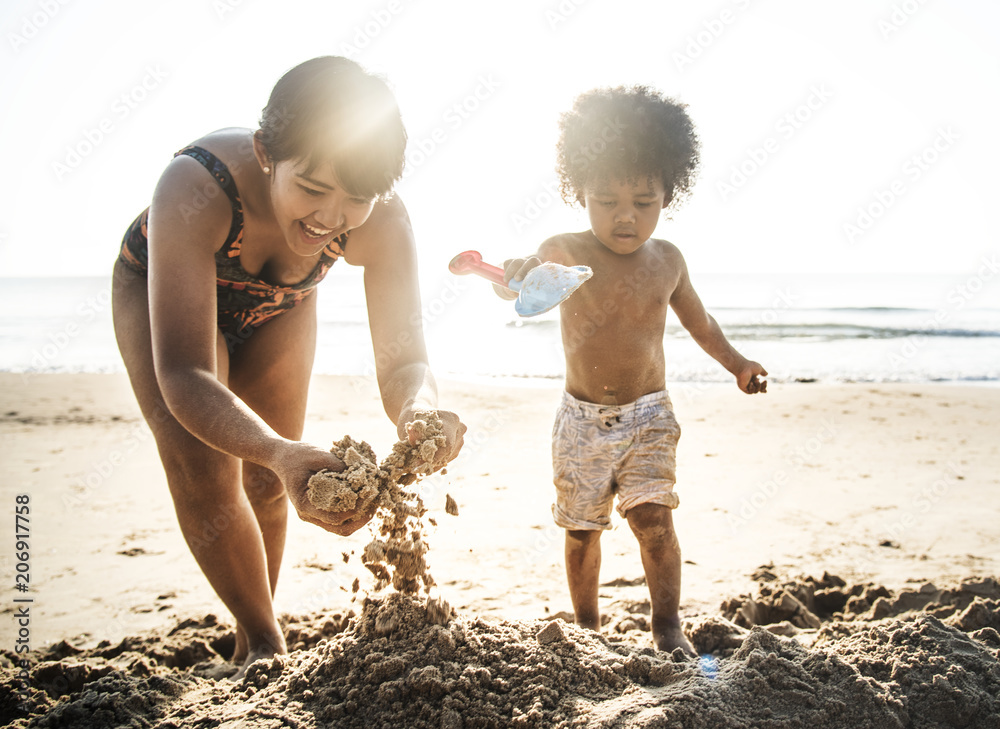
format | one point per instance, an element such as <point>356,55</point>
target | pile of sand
<point>396,555</point>
<point>399,663</point>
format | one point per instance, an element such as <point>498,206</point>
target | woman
<point>215,316</point>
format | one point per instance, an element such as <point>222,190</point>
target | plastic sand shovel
<point>546,286</point>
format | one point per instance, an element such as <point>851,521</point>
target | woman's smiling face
<point>312,207</point>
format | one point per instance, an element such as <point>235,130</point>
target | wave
<point>832,331</point>
<point>811,331</point>
<point>852,309</point>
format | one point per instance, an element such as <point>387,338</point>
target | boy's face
<point>623,215</point>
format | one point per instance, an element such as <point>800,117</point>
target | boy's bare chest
<point>636,299</point>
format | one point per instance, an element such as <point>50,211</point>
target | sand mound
<point>793,606</point>
<point>396,555</point>
<point>405,662</point>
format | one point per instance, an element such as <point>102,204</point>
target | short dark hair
<point>331,110</point>
<point>627,133</point>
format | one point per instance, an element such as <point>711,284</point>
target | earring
<point>267,170</point>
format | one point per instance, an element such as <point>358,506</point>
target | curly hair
<point>627,133</point>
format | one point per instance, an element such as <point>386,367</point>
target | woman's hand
<point>453,429</point>
<point>296,462</point>
<point>747,380</point>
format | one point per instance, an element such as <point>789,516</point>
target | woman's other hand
<point>452,427</point>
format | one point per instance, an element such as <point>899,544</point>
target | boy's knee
<point>653,520</point>
<point>583,536</point>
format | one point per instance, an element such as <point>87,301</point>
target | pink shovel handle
<point>472,262</point>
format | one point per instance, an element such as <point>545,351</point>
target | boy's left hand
<point>747,380</point>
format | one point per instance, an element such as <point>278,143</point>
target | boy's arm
<point>705,330</point>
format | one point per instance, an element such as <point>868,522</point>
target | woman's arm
<point>384,245</point>
<point>182,309</point>
<point>189,355</point>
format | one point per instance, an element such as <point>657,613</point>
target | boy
<point>624,154</point>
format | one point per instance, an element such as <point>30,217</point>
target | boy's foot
<point>672,637</point>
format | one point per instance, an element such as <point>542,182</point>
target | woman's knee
<point>198,474</point>
<point>262,486</point>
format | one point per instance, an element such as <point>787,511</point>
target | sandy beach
<point>892,485</point>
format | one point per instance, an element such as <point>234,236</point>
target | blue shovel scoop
<point>544,287</point>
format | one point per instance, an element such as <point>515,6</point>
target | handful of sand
<point>398,556</point>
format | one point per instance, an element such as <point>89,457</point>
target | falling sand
<point>396,555</point>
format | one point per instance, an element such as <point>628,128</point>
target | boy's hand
<point>747,380</point>
<point>515,269</point>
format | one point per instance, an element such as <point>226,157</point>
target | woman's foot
<point>242,649</point>
<point>267,649</point>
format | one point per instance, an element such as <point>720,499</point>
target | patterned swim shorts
<point>599,451</point>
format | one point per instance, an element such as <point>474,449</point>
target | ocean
<point>857,328</point>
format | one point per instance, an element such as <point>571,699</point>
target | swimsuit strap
<point>222,175</point>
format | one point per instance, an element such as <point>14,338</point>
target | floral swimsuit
<point>244,302</point>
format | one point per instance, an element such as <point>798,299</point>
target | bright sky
<point>837,137</point>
